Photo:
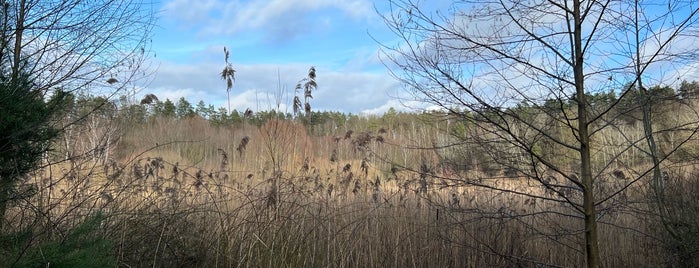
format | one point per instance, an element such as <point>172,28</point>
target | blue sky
<point>274,42</point>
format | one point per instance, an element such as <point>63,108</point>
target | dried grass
<point>168,209</point>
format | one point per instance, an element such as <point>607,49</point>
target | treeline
<point>628,101</point>
<point>131,112</point>
<point>150,108</point>
<point>620,114</point>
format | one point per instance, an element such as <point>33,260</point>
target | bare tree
<point>76,45</point>
<point>525,73</point>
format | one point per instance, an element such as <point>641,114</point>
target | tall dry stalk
<point>228,74</point>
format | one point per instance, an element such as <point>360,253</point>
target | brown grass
<point>181,205</point>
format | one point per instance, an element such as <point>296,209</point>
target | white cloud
<point>257,86</point>
<point>282,19</point>
<point>174,94</point>
<point>353,91</point>
<point>400,105</point>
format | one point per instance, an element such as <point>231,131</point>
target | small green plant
<point>83,246</point>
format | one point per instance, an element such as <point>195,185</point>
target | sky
<point>273,44</point>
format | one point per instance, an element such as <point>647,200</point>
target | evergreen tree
<point>235,117</point>
<point>184,109</point>
<point>169,109</point>
<point>689,89</point>
<point>26,131</point>
<point>202,110</point>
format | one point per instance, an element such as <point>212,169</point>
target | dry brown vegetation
<point>182,193</point>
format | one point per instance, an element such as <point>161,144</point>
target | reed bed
<point>184,204</point>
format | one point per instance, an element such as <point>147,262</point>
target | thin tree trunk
<point>18,40</point>
<point>591,238</point>
<point>5,40</point>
